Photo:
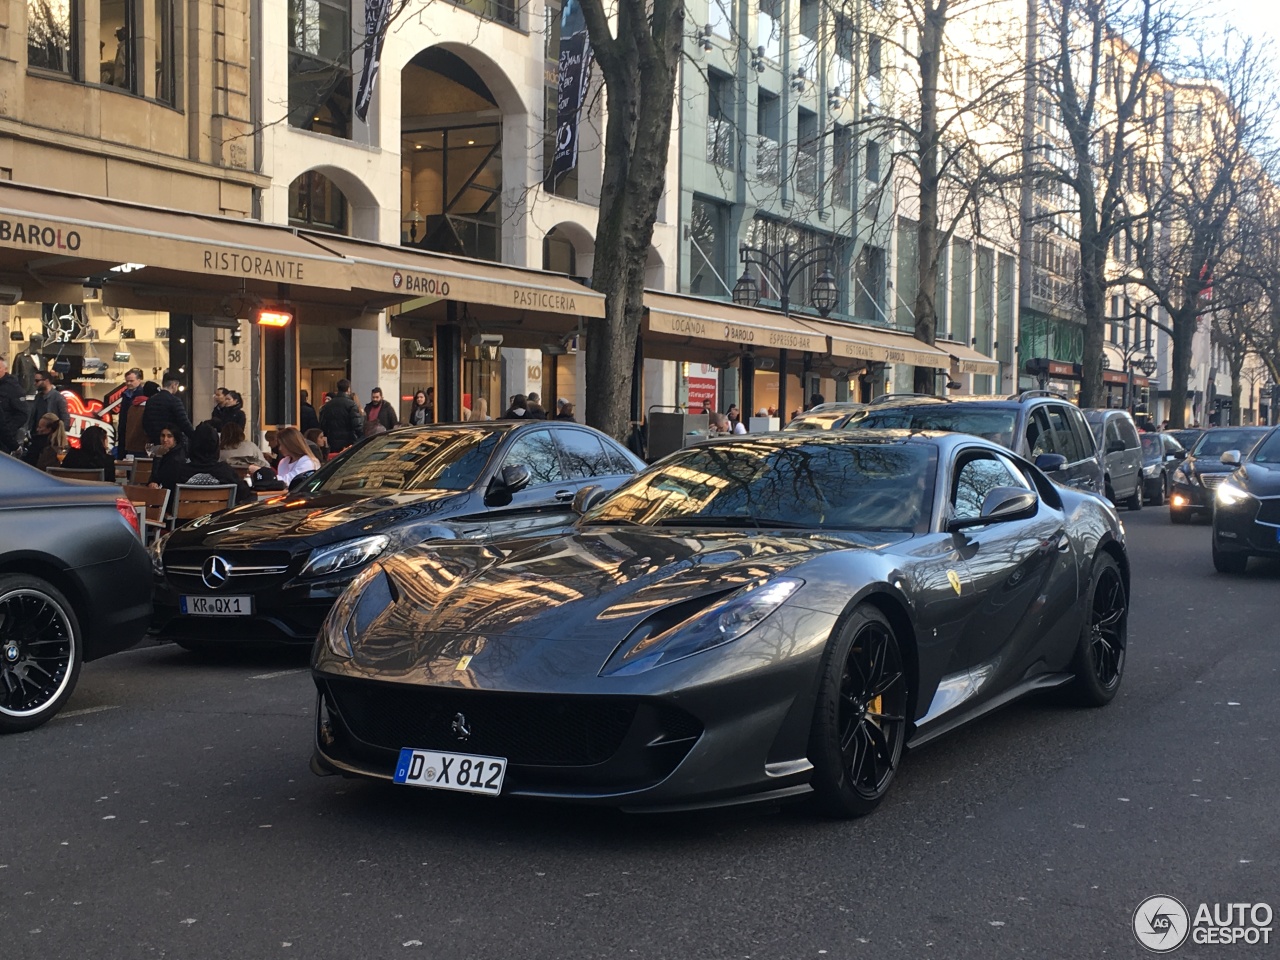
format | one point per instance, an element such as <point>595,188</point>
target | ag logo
<point>396,279</point>
<point>1161,924</point>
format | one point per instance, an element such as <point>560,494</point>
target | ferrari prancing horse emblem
<point>954,579</point>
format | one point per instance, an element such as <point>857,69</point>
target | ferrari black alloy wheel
<point>1099,663</point>
<point>860,724</point>
<point>40,652</point>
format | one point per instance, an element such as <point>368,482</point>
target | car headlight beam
<point>724,621</point>
<point>343,556</point>
<point>1229,494</point>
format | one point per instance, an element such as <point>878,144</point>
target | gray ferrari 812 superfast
<point>750,619</point>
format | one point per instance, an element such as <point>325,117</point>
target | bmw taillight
<point>127,510</point>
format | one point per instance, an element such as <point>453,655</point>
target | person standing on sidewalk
<point>341,419</point>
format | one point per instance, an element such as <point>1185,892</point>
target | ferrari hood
<point>313,519</point>
<point>581,593</point>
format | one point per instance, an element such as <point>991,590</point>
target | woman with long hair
<point>480,409</point>
<point>295,455</point>
<point>420,413</point>
<point>236,450</point>
<point>170,455</point>
<point>49,438</point>
<point>92,454</point>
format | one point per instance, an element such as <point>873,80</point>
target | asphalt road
<point>169,812</point>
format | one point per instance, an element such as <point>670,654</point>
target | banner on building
<point>377,19</point>
<point>572,75</point>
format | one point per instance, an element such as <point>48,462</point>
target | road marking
<point>87,710</point>
<point>278,673</point>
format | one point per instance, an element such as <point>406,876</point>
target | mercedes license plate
<point>451,771</point>
<point>217,606</point>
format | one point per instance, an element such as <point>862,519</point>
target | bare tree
<point>638,56</point>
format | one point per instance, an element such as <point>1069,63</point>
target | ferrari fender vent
<point>529,729</point>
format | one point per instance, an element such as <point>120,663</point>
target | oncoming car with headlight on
<point>752,618</point>
<point>1246,520</point>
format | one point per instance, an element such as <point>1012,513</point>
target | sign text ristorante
<point>254,265</point>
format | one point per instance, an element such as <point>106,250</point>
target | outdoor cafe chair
<point>197,500</point>
<point>155,501</point>
<point>67,473</point>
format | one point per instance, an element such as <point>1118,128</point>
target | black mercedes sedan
<point>1246,522</point>
<point>268,572</point>
<point>753,618</point>
<point>1195,481</point>
<point>75,585</point>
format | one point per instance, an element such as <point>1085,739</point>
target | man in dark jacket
<point>307,419</point>
<point>48,400</point>
<point>378,410</point>
<point>341,419</point>
<point>164,409</point>
<point>124,409</point>
<point>13,410</point>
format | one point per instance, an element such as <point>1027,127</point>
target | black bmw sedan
<point>1246,522</point>
<point>754,618</point>
<point>270,571</point>
<point>75,585</point>
<point>1195,481</point>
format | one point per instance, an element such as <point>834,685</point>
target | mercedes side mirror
<point>507,482</point>
<point>587,497</point>
<point>1050,462</point>
<point>1231,458</point>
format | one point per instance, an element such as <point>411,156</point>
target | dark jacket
<point>534,411</point>
<point>81,459</point>
<point>385,415</point>
<point>120,419</point>
<point>13,413</point>
<point>133,430</point>
<point>165,469</point>
<point>165,408</point>
<point>225,415</point>
<point>206,474</point>
<point>51,402</point>
<point>342,422</point>
<point>569,417</point>
<point>307,419</point>
<point>39,454</point>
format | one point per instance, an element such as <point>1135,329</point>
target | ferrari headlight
<point>343,556</point>
<point>1229,494</point>
<point>369,595</point>
<point>724,621</point>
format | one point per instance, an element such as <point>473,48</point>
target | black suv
<point>1044,428</point>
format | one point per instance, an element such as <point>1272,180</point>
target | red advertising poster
<point>702,390</point>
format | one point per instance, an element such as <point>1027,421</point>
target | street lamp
<point>1147,365</point>
<point>779,271</point>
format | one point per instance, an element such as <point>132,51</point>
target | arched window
<point>316,203</point>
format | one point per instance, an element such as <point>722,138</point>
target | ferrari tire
<point>1100,653</point>
<point>860,722</point>
<point>1225,562</point>
<point>41,650</point>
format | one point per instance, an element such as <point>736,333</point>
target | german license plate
<point>217,606</point>
<point>451,771</point>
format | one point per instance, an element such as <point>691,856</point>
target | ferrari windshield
<point>405,461</point>
<point>996,425</point>
<point>808,484</point>
<point>1217,442</point>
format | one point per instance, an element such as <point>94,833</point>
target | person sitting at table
<point>203,468</point>
<point>49,438</point>
<point>297,458</point>
<point>92,454</point>
<point>238,451</point>
<point>318,443</point>
<point>173,453</point>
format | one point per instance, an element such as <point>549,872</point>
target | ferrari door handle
<point>564,496</point>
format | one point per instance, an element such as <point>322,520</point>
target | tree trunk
<point>932,29</point>
<point>1093,291</point>
<point>1184,331</point>
<point>1237,387</point>
<point>639,66</point>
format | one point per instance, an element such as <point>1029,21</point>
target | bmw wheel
<point>40,652</point>
<point>1100,654</point>
<point>860,724</point>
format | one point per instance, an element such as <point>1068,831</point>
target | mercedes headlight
<point>1151,471</point>
<point>343,556</point>
<point>368,596</point>
<point>725,620</point>
<point>1182,475</point>
<point>157,555</point>
<point>1229,494</point>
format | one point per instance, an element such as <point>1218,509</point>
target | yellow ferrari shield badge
<point>466,661</point>
<point>954,579</point>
